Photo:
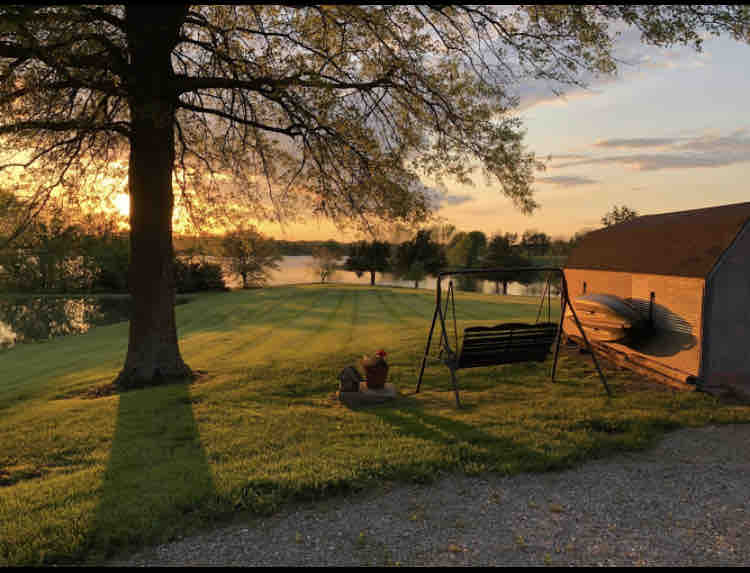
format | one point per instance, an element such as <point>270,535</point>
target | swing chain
<point>444,344</point>
<point>548,293</point>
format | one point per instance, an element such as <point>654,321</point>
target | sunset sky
<point>670,132</point>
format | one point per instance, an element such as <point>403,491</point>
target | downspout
<point>651,310</point>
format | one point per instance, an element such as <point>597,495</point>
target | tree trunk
<point>372,278</point>
<point>153,355</point>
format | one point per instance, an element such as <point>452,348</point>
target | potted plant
<point>376,369</point>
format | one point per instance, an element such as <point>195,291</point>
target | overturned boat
<point>605,317</point>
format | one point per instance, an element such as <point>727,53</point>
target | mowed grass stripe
<point>39,370</point>
<point>235,309</point>
<point>291,339</point>
<point>353,320</point>
<point>409,308</point>
<point>383,298</point>
<point>261,328</point>
<point>334,328</point>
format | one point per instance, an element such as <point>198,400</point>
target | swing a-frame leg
<point>566,303</point>
<point>455,386</point>
<point>427,348</point>
<point>451,356</point>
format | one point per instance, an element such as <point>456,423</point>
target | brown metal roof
<point>685,243</point>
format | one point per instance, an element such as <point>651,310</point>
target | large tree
<point>338,109</point>
<point>418,257</point>
<point>466,249</point>
<point>500,254</point>
<point>535,242</point>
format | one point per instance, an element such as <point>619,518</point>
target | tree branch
<point>65,125</point>
<point>292,130</point>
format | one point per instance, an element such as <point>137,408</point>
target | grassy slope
<point>90,477</point>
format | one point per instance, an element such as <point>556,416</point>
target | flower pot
<point>376,372</point>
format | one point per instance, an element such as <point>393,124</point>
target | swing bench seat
<point>505,344</point>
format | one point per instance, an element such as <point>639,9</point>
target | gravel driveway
<point>682,503</point>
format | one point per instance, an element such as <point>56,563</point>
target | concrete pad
<point>367,396</point>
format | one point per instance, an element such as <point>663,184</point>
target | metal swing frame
<point>453,358</point>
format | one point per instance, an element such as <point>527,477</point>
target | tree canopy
<point>284,109</point>
<point>324,263</point>
<point>369,257</point>
<point>252,255</point>
<point>535,242</point>
<point>466,249</point>
<point>340,107</point>
<point>418,257</point>
<point>618,215</point>
<point>501,254</point>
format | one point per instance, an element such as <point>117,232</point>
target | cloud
<point>566,180</point>
<point>558,156</point>
<point>440,199</point>
<point>633,57</point>
<point>536,94</point>
<point>736,142</point>
<point>636,142</point>
<point>676,153</point>
<point>456,199</point>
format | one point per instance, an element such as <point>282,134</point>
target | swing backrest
<point>506,343</point>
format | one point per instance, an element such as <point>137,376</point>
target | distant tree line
<point>91,254</point>
<point>439,248</point>
<point>442,247</point>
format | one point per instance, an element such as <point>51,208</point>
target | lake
<point>35,318</point>
<point>299,270</point>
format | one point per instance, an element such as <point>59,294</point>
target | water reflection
<point>27,319</point>
<point>7,336</point>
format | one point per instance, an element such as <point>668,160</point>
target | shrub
<point>198,276</point>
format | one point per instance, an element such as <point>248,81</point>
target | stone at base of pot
<point>367,396</point>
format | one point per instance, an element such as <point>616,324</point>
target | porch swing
<point>504,343</point>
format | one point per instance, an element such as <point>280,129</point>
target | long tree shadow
<point>472,445</point>
<point>158,480</point>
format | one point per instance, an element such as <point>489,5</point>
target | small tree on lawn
<point>324,263</point>
<point>416,272</point>
<point>252,255</point>
<point>369,257</point>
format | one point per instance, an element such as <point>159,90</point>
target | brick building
<point>690,270</point>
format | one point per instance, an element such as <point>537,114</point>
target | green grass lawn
<point>84,478</point>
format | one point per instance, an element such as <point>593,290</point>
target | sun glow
<point>122,203</point>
